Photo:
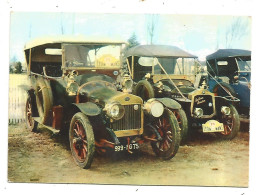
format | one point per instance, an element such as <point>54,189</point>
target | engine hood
<point>185,87</point>
<point>102,92</point>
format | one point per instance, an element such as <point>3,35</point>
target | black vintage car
<point>230,71</point>
<point>167,71</point>
<point>74,90</point>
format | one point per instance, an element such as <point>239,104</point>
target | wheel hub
<point>78,142</point>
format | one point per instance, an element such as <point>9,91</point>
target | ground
<point>44,157</point>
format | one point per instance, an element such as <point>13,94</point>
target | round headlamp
<point>115,111</point>
<point>225,110</point>
<point>154,107</point>
<point>198,112</point>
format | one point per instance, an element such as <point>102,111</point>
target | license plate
<point>212,126</point>
<point>133,146</point>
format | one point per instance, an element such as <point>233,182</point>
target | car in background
<point>230,71</point>
<point>161,71</point>
<point>74,91</point>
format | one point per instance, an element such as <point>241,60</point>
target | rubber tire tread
<point>147,86</point>
<point>32,128</point>
<point>90,139</point>
<point>45,111</point>
<point>169,154</point>
<point>185,125</point>
<point>236,126</point>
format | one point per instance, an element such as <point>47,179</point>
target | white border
<point>199,7</point>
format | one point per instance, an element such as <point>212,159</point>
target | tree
<point>132,41</point>
<point>11,70</point>
<point>18,68</point>
<point>237,30</point>
<point>61,24</point>
<point>151,24</point>
<point>12,63</point>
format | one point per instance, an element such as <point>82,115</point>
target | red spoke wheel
<point>231,124</point>
<point>169,130</point>
<point>183,123</point>
<point>30,122</point>
<point>82,142</point>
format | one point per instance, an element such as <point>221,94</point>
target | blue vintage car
<point>230,74</point>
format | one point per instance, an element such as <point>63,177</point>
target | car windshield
<point>244,65</point>
<point>92,56</point>
<point>174,66</point>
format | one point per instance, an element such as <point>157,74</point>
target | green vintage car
<point>168,71</point>
<point>77,89</point>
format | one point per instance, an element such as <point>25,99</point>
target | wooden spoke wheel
<point>183,123</point>
<point>168,128</point>
<point>30,122</point>
<point>82,141</point>
<point>231,124</point>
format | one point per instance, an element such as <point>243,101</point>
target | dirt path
<point>206,161</point>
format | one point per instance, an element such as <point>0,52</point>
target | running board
<point>244,120</point>
<point>55,131</point>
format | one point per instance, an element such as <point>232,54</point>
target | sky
<point>197,34</point>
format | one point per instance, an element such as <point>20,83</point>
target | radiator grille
<point>205,102</point>
<point>131,119</point>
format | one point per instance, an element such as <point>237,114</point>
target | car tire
<point>144,89</point>
<point>30,122</point>
<point>44,100</point>
<point>231,124</point>
<point>219,91</point>
<point>82,141</point>
<point>169,130</point>
<point>183,123</point>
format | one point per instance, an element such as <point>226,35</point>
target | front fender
<point>88,108</point>
<point>221,101</point>
<point>169,103</point>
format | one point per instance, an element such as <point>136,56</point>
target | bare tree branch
<point>237,30</point>
<point>151,24</point>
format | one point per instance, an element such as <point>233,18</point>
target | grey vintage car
<point>168,71</point>
<point>74,90</point>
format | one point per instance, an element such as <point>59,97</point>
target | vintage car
<point>167,71</point>
<point>231,75</point>
<point>74,91</point>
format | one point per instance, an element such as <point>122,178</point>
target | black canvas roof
<point>158,51</point>
<point>225,53</point>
